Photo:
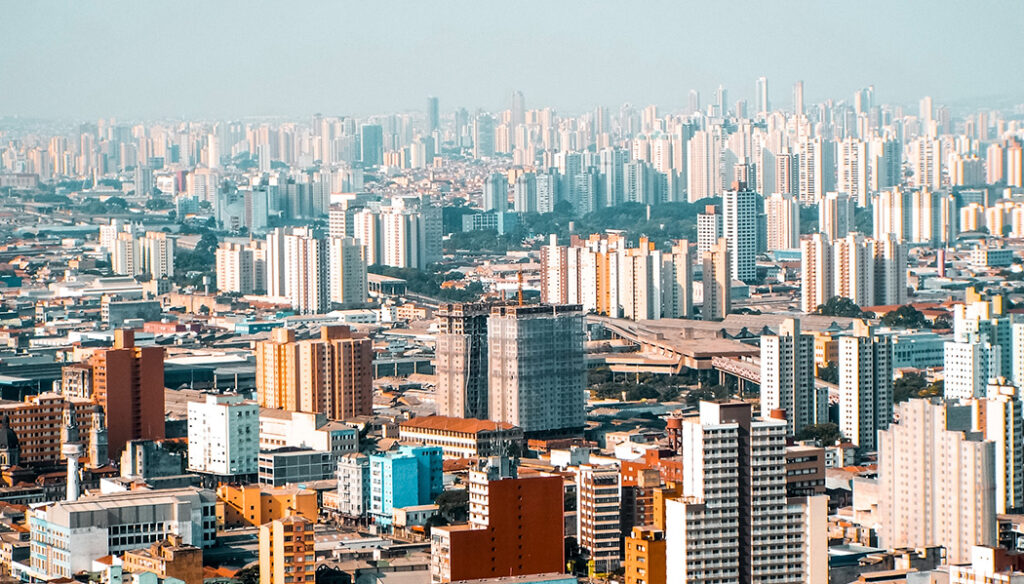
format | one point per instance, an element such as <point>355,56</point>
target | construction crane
<point>520,295</point>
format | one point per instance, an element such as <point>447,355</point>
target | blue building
<point>410,476</point>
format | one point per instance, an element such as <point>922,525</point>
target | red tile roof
<point>458,425</point>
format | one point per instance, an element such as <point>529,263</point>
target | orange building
<point>645,556</point>
<point>37,422</point>
<point>255,505</point>
<point>128,382</point>
<point>168,558</point>
<point>287,552</point>
<point>332,375</point>
<point>523,534</point>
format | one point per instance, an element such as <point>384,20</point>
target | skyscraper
<point>740,207</point>
<point>761,89</point>
<point>347,270</point>
<point>536,370</point>
<point>717,282</point>
<point>782,214</point>
<point>495,194</point>
<point>836,215</point>
<point>733,493</point>
<point>306,271</point>
<point>816,272</point>
<point>798,98</point>
<point>433,115</point>
<point>865,385</point>
<point>128,382</point>
<point>677,277</point>
<point>462,362</point>
<point>277,371</point>
<point>371,143</point>
<point>483,136</point>
<point>787,377</point>
<point>709,228</point>
<point>936,480</point>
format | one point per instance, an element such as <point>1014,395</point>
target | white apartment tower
<point>787,378</point>
<point>865,385</point>
<point>223,436</point>
<point>347,270</point>
<point>306,271</point>
<point>739,226</point>
<point>733,495</point>
<point>816,271</point>
<point>782,214</point>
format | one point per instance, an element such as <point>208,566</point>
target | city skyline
<point>152,61</point>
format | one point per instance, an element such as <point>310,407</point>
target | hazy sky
<point>234,58</point>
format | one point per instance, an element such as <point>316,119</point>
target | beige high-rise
<point>717,282</point>
<point>936,481</point>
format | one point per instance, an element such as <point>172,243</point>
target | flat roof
<point>458,425</point>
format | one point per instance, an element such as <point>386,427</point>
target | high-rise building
<point>740,207</point>
<point>936,481</point>
<point>703,176</point>
<point>782,213</point>
<point>787,378</point>
<point>836,215</point>
<point>128,382</point>
<point>495,195</point>
<point>816,272</point>
<point>483,136</point>
<point>817,169</point>
<point>336,373</point>
<point>709,228</point>
<point>890,271</point>
<point>306,271</point>
<point>865,385</point>
<point>371,144</point>
<point>510,525</point>
<point>852,176</point>
<point>277,371</point>
<point>677,281</point>
<point>798,98</point>
<point>999,418</point>
<point>717,282</point>
<point>646,556</point>
<point>433,115</point>
<point>462,361</point>
<point>347,270</point>
<point>640,282</point>
<point>535,365</point>
<point>223,436</point>
<point>598,504</point>
<point>763,107</point>
<point>287,551</point>
<point>524,193</point>
<point>854,269</point>
<point>733,491</point>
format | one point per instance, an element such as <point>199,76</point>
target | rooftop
<point>458,425</point>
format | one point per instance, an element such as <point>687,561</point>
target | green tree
<point>826,434</point>
<point>453,505</point>
<point>249,574</point>
<point>829,374</point>
<point>908,386</point>
<point>905,316</point>
<point>840,306</point>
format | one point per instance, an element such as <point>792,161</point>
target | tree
<point>905,316</point>
<point>249,574</point>
<point>908,386</point>
<point>829,374</point>
<point>826,434</point>
<point>453,505</point>
<point>840,306</point>
<point>433,521</point>
<point>117,202</point>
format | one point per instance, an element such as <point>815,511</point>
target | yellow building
<point>826,350</point>
<point>238,506</point>
<point>277,371</point>
<point>645,556</point>
<point>169,558</point>
<point>287,555</point>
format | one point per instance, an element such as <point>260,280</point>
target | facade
<point>169,558</point>
<point>461,357</point>
<point>287,466</point>
<point>306,274</point>
<point>816,272</point>
<point>128,382</point>
<point>717,282</point>
<point>536,368</point>
<point>279,429</point>
<point>353,496</point>
<point>510,527</point>
<point>646,556</point>
<point>1000,419</point>
<point>787,377</point>
<point>287,553</point>
<point>716,528</point>
<point>405,478</point>
<point>598,505</point>
<point>463,438</point>
<point>223,436</point>
<point>348,270</point>
<point>865,385</point>
<point>68,536</point>
<point>38,422</point>
<point>740,207</point>
<point>782,212</point>
<point>936,481</point>
<point>330,375</point>
<point>254,505</point>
